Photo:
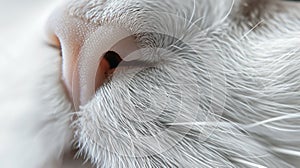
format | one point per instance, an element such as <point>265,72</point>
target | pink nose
<point>69,33</point>
<point>84,45</point>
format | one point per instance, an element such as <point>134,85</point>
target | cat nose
<point>69,34</point>
<point>89,52</point>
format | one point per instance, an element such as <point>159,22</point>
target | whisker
<point>248,163</point>
<point>246,34</point>
<point>288,116</point>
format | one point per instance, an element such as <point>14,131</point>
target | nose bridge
<point>71,34</point>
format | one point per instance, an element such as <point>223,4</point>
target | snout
<point>90,52</point>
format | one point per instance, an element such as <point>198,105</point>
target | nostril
<point>107,65</point>
<point>82,45</point>
<point>113,59</point>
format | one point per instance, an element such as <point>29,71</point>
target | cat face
<point>162,82</point>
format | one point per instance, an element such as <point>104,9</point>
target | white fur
<point>226,95</point>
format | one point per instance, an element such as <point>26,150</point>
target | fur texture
<point>221,87</point>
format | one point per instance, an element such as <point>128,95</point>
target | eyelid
<point>52,45</point>
<point>56,47</point>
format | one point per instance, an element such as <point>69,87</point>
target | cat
<point>148,83</point>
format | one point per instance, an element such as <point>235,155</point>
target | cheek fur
<point>225,102</point>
